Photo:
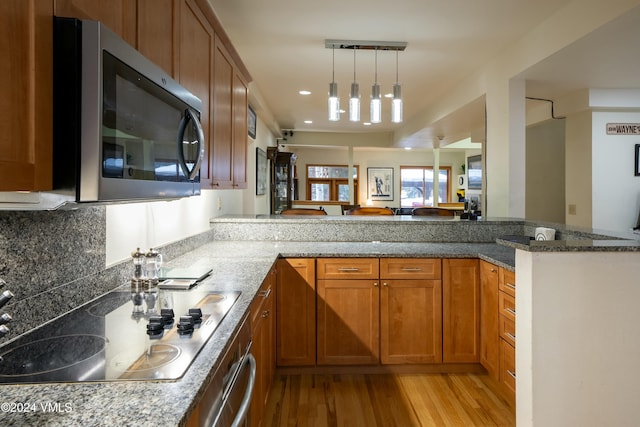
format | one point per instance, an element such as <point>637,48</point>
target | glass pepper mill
<point>137,283</point>
<point>153,261</point>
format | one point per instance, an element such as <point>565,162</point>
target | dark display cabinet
<point>282,181</point>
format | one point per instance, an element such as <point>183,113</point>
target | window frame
<point>446,169</point>
<point>334,183</point>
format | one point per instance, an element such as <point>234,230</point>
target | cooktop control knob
<point>167,315</point>
<point>185,325</point>
<point>155,326</point>
<point>196,314</point>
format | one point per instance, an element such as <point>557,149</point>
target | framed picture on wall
<point>251,122</point>
<point>380,184</point>
<point>261,172</point>
<point>637,150</point>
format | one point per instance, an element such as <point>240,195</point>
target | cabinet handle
<point>513,374</point>
<point>265,294</point>
<point>493,270</point>
<point>265,314</point>
<point>375,284</point>
<point>385,284</point>
<point>510,310</point>
<point>348,269</point>
<point>411,269</point>
<point>510,285</point>
<point>513,337</point>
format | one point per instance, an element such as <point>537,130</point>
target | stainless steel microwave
<point>123,129</point>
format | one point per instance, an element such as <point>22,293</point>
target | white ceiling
<point>282,44</point>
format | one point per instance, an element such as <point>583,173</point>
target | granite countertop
<point>236,265</point>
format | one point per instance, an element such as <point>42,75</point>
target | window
<point>330,183</point>
<point>416,184</point>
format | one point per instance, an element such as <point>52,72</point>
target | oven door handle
<point>246,399</point>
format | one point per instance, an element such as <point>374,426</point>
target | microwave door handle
<point>190,115</point>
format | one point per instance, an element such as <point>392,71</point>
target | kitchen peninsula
<point>243,250</point>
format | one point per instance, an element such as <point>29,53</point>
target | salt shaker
<point>153,261</point>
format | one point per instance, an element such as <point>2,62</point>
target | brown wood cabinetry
<point>348,311</point>
<point>228,162</point>
<point>26,95</point>
<point>507,333</point>
<point>296,312</point>
<point>461,310</point>
<point>410,311</point>
<point>489,318</point>
<point>157,25</point>
<point>117,15</point>
<point>263,317</point>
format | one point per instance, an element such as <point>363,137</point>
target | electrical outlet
<point>572,209</point>
<point>219,203</point>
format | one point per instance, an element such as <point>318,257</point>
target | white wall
<point>615,190</point>
<point>577,342</point>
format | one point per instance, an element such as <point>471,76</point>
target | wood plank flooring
<point>385,400</point>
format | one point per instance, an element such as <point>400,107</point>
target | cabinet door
<point>26,95</point>
<point>262,336</point>
<point>220,159</point>
<point>489,318</point>
<point>157,32</point>
<point>411,321</point>
<point>461,310</point>
<point>296,308</point>
<point>240,133</point>
<point>195,66</point>
<point>348,322</point>
<point>117,15</point>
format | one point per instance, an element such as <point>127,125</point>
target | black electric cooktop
<point>124,335</point>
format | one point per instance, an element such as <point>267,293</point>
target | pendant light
<point>376,101</point>
<point>334,101</point>
<point>354,98</point>
<point>396,103</point>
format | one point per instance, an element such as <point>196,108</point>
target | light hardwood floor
<point>385,400</point>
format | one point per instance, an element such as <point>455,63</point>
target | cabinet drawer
<point>507,306</point>
<point>410,268</point>
<point>508,282</point>
<point>348,268</point>
<point>508,366</point>
<point>508,330</point>
<point>259,307</point>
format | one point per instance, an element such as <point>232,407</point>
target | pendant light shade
<point>334,101</point>
<point>376,104</point>
<point>396,103</point>
<point>376,101</point>
<point>354,96</point>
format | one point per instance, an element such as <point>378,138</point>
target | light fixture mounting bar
<point>364,45</point>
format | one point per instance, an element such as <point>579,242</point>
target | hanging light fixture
<point>396,103</point>
<point>334,101</point>
<point>376,101</point>
<point>354,98</point>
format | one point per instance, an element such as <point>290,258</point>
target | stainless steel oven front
<point>227,400</point>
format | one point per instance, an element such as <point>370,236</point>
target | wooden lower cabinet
<point>461,310</point>
<point>411,321</point>
<point>296,312</point>
<point>348,322</point>
<point>263,345</point>
<point>508,368</point>
<point>489,318</point>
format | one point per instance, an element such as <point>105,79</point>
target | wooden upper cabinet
<point>157,26</point>
<point>461,310</point>
<point>26,95</point>
<point>221,149</point>
<point>240,133</point>
<point>195,67</point>
<point>117,15</point>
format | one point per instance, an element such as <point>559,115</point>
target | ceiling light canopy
<point>354,95</point>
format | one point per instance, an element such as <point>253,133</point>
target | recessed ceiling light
<point>388,95</point>
<point>304,92</point>
<point>407,148</point>
<point>342,111</point>
<point>308,122</point>
<point>367,124</point>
